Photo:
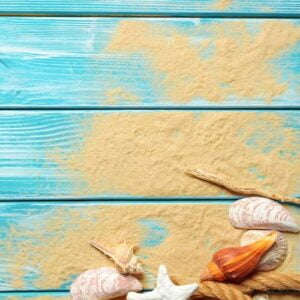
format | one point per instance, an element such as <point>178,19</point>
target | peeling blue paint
<point>155,232</point>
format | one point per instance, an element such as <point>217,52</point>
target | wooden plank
<point>66,62</point>
<point>45,245</point>
<point>35,296</point>
<point>101,154</point>
<point>65,296</point>
<point>153,7</point>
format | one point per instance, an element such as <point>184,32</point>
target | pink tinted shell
<point>102,284</point>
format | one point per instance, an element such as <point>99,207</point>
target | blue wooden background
<point>53,66</point>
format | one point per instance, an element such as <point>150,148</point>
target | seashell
<point>236,263</point>
<point>261,297</point>
<point>261,213</point>
<point>103,284</point>
<point>123,256</point>
<point>275,256</point>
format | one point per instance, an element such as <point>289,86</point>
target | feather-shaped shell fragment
<point>261,213</point>
<point>237,263</point>
<point>103,284</point>
<point>275,256</point>
<point>123,256</point>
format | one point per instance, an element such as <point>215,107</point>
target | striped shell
<point>103,284</point>
<point>275,256</point>
<point>261,213</point>
<point>123,255</point>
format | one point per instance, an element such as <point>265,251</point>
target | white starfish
<point>165,289</point>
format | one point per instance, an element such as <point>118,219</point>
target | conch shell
<point>103,284</point>
<point>275,256</point>
<point>123,256</point>
<point>236,263</point>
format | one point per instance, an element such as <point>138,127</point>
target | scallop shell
<point>123,256</point>
<point>261,213</point>
<point>103,284</point>
<point>275,256</point>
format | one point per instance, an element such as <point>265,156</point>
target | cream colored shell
<point>275,256</point>
<point>261,213</point>
<point>123,256</point>
<point>103,284</point>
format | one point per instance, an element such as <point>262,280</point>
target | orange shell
<point>237,263</point>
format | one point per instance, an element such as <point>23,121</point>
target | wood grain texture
<point>45,246</point>
<point>152,7</point>
<point>62,62</point>
<point>35,296</point>
<point>30,142</point>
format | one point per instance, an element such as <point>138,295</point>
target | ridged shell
<point>123,255</point>
<point>261,213</point>
<point>275,256</point>
<point>236,263</point>
<point>103,284</point>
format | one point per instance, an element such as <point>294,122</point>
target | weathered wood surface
<point>31,141</point>
<point>45,246</point>
<point>35,296</point>
<point>153,7</point>
<point>64,62</point>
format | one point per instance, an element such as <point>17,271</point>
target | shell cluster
<point>261,250</point>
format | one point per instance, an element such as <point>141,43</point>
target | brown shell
<point>236,263</point>
<point>275,256</point>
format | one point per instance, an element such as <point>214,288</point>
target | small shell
<point>275,256</point>
<point>261,213</point>
<point>103,284</point>
<point>123,256</point>
<point>236,263</point>
<point>261,297</point>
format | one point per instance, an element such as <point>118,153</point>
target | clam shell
<point>275,256</point>
<point>261,213</point>
<point>103,284</point>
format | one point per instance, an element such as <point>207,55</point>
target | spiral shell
<point>261,213</point>
<point>123,256</point>
<point>275,256</point>
<point>236,263</point>
<point>103,284</point>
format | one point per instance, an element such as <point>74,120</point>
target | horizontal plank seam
<point>56,291</point>
<point>119,199</point>
<point>222,15</point>
<point>128,200</point>
<point>145,107</point>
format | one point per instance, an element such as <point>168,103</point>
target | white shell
<point>261,297</point>
<point>275,256</point>
<point>103,284</point>
<point>261,213</point>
